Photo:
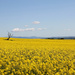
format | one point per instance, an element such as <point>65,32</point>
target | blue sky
<point>44,18</point>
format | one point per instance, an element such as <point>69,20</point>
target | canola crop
<point>37,57</point>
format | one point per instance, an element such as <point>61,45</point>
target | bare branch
<point>9,36</point>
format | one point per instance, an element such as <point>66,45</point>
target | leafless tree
<point>9,36</point>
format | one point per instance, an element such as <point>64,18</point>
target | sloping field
<point>37,57</point>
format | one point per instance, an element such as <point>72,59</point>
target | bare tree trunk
<point>9,36</point>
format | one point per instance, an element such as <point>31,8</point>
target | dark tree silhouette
<point>9,36</point>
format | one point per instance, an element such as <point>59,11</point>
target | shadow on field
<point>8,40</point>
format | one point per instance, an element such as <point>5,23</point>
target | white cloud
<point>26,25</point>
<point>36,22</point>
<point>19,30</point>
<point>67,29</point>
<point>29,29</point>
<point>41,29</point>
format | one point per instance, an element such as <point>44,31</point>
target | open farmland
<point>37,57</point>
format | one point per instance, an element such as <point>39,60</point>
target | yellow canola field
<point>37,57</point>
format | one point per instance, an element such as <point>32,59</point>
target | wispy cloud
<point>36,22</point>
<point>29,29</point>
<point>41,28</point>
<point>67,29</point>
<point>17,29</point>
<point>21,30</point>
<point>26,25</point>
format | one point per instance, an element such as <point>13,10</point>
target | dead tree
<point>9,36</point>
